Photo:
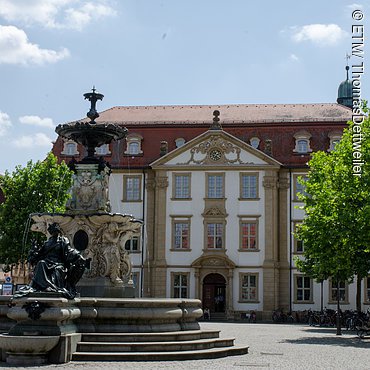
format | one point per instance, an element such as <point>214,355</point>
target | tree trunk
<point>358,293</point>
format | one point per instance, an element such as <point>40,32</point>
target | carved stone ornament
<point>35,309</point>
<point>215,150</point>
<point>214,211</point>
<point>269,182</point>
<point>90,189</point>
<point>161,182</point>
<point>106,237</point>
<point>214,262</point>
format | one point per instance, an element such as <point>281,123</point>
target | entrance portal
<point>214,293</point>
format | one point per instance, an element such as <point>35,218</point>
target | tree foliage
<point>38,187</point>
<point>336,230</point>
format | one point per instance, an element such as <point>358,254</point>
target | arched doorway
<point>214,293</point>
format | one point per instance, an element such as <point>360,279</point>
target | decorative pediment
<point>214,212</point>
<point>215,148</point>
<point>213,261</point>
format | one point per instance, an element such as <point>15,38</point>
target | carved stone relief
<point>215,150</point>
<point>106,234</point>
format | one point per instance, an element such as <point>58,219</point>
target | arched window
<point>133,148</point>
<point>102,150</point>
<point>134,144</point>
<point>334,138</point>
<point>70,148</point>
<point>302,142</point>
<point>255,141</point>
<point>179,142</point>
<point>302,146</point>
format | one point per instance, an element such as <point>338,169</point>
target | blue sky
<point>162,52</point>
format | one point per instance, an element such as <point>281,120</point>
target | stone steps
<point>196,344</point>
<point>151,337</point>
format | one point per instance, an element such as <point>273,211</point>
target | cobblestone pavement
<point>271,346</point>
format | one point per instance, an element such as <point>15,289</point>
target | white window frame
<point>248,191</point>
<point>126,189</point>
<point>178,192</point>
<point>216,190</point>
<point>67,152</point>
<point>248,293</point>
<point>182,285</point>
<point>303,288</point>
<point>133,139</point>
<point>300,138</point>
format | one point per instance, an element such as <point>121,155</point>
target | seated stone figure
<point>58,267</point>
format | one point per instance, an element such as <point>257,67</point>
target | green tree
<point>336,230</point>
<point>38,187</point>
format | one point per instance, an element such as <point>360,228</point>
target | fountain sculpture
<point>51,326</point>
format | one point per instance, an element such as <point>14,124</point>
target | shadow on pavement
<point>342,341</point>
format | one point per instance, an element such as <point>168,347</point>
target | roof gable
<point>215,148</point>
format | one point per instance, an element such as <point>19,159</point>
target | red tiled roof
<point>233,113</point>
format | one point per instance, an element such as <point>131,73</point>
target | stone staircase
<point>180,345</point>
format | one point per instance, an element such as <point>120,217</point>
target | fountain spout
<point>93,97</point>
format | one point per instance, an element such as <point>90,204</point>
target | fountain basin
<point>27,349</point>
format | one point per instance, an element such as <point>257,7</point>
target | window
<point>334,138</point>
<point>70,148</point>
<point>102,150</point>
<point>255,141</point>
<point>343,294</point>
<point>179,142</point>
<point>248,186</point>
<point>181,186</point>
<point>298,187</point>
<point>367,289</point>
<point>132,245</point>
<point>298,244</point>
<point>180,285</point>
<point>181,234</point>
<point>133,148</point>
<point>248,287</point>
<point>302,146</point>
<point>132,188</point>
<point>134,144</point>
<point>303,285</point>
<point>215,235</point>
<point>248,235</point>
<point>302,142</point>
<point>215,185</point>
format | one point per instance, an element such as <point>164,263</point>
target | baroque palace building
<point>216,187</point>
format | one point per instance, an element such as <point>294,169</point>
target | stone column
<point>284,240</point>
<point>270,264</point>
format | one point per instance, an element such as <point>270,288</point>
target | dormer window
<point>302,142</point>
<point>179,142</point>
<point>255,141</point>
<point>302,146</point>
<point>134,144</point>
<point>70,148</point>
<point>334,138</point>
<point>102,150</point>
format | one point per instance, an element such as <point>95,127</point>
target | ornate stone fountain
<point>88,224</point>
<point>52,327</point>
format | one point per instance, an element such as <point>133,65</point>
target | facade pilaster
<point>271,262</point>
